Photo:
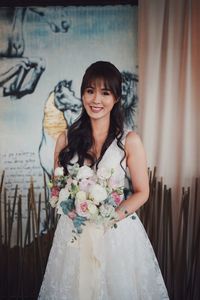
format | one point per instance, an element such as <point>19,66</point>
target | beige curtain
<point>169,89</point>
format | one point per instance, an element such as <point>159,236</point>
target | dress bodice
<point>113,158</point>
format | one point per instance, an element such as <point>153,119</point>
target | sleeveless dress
<point>116,264</point>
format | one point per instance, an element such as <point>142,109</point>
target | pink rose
<point>84,206</point>
<point>55,191</point>
<point>116,198</point>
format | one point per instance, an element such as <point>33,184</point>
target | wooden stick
<point>20,249</point>
<point>34,258</point>
<point>1,237</point>
<point>8,253</point>
<point>5,217</point>
<point>159,214</point>
<point>12,215</point>
<point>1,189</point>
<point>20,289</point>
<point>2,179</point>
<point>33,206</point>
<point>39,211</point>
<point>171,249</point>
<point>46,201</point>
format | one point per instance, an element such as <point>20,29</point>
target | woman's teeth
<point>96,109</point>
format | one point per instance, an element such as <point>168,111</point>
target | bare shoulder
<point>136,154</point>
<point>133,140</point>
<point>61,142</point>
<point>62,139</point>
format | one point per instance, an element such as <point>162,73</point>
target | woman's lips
<point>96,109</point>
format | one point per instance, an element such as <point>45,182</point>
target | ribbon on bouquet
<point>91,261</point>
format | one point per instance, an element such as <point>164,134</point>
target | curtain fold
<point>169,93</point>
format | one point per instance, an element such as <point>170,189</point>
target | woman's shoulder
<point>132,140</point>
<point>61,141</point>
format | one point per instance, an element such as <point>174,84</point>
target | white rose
<point>93,210</point>
<point>59,171</point>
<point>98,193</point>
<point>104,173</point>
<point>81,196</point>
<point>53,201</point>
<point>85,172</point>
<point>63,195</point>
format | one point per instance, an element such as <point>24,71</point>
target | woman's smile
<point>96,109</point>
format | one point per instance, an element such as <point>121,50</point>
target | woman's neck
<point>100,128</point>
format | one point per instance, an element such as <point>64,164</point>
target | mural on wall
<point>44,52</point>
<point>19,75</point>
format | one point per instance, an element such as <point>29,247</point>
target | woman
<point>113,263</point>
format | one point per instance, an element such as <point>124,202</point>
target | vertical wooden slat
<point>12,214</point>
<point>20,249</point>
<point>39,211</point>
<point>34,257</point>
<point>36,227</point>
<point>159,214</point>
<point>2,180</point>
<point>170,274</point>
<point>46,201</point>
<point>5,218</point>
<point>1,189</point>
<point>8,251</point>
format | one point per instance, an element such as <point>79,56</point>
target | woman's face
<point>98,101</point>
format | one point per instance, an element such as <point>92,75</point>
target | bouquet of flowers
<point>93,196</point>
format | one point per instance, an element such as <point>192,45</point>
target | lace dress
<point>116,264</point>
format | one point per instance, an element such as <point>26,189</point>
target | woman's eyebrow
<point>105,89</point>
<point>91,86</point>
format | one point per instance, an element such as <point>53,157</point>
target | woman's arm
<point>60,144</point>
<point>136,162</point>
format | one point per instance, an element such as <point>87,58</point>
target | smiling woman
<point>100,91</point>
<point>108,262</point>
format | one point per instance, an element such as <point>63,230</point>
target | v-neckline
<point>105,151</point>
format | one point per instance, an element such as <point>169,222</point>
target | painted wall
<point>44,52</point>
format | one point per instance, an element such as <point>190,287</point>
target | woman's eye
<point>106,93</point>
<point>89,91</point>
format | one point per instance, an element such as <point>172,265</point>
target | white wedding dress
<point>116,264</point>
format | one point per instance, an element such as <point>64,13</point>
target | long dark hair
<point>80,137</point>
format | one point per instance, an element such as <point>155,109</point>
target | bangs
<point>99,81</point>
<point>103,72</point>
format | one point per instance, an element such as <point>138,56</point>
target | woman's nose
<point>97,98</point>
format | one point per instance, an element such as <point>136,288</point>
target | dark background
<point>65,3</point>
